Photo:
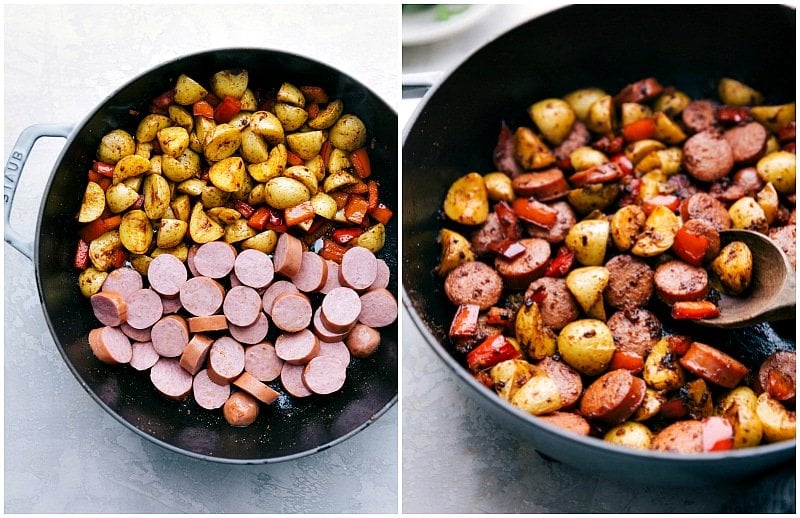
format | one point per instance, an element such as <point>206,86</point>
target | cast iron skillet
<point>455,128</point>
<point>289,428</point>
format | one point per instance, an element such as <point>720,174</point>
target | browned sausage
<point>358,269</point>
<point>332,277</point>
<point>291,312</point>
<point>195,353</point>
<point>681,186</point>
<point>559,306</point>
<point>208,323</point>
<point>546,185</point>
<point>225,360</point>
<point>678,281</point>
<point>578,136</point>
<point>166,274</point>
<point>566,378</point>
<point>123,280</point>
<point>703,206</point>
<point>474,283</point>
<point>170,378</point>
<point>340,309</point>
<point>297,348</point>
<point>568,421</point>
<point>786,238</point>
<point>208,394</point>
<point>288,255</point>
<point>378,308</point>
<point>630,282</point>
<point>635,330</point>
<point>337,350</point>
<point>110,345</point>
<point>324,375</point>
<point>639,92</point>
<point>699,115</point>
<point>143,356</point>
<point>613,397</point>
<point>713,365</point>
<point>565,220</point>
<point>144,308</point>
<point>292,380</point>
<point>322,331</point>
<point>680,437</point>
<point>313,273</point>
<point>170,335</point>
<point>702,227</point>
<point>109,307</point>
<point>254,268</point>
<point>242,305</point>
<point>253,333</point>
<point>503,154</point>
<point>707,156</point>
<point>215,259</point>
<point>519,272</point>
<point>255,388</point>
<point>261,361</point>
<point>202,296</point>
<point>139,335</point>
<point>747,141</point>
<point>241,409</point>
<point>273,291</point>
<point>747,178</point>
<point>490,232</point>
<point>362,341</point>
<point>778,376</point>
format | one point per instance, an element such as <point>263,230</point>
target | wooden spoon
<point>772,294</point>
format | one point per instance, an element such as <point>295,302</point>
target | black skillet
<point>289,428</point>
<point>454,131</point>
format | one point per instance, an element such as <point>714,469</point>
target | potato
<point>630,434</point>
<point>291,117</point>
<point>203,229</point>
<point>134,182</point>
<point>136,232</point>
<point>203,127</point>
<point>282,192</point>
<point>539,395</point>
<point>632,112</point>
<point>769,202</point>
<point>181,252</point>
<point>736,93</point>
<point>231,82</point>
<point>586,157</point>
<point>600,118</point>
<point>93,204</point>
<point>338,180</point>
<point>498,186</point>
<point>652,184</point>
<point>130,166</point>
<point>773,117</point>
<point>324,205</point>
<point>238,231</point>
<point>587,284</point>
<point>256,195</point>
<point>91,280</point>
<point>456,250</point>
<point>659,233</point>
<point>317,166</point>
<point>537,340</point>
<point>103,249</point>
<point>651,405</point>
<point>181,207</point>
<point>467,201</point>
<point>248,101</point>
<point>373,238</point>
<point>150,125</point>
<point>170,232</point>
<point>530,151</point>
<point>304,176</point>
<point>327,116</point>
<point>554,118</point>
<point>306,144</point>
<point>140,262</point>
<point>145,149</point>
<point>157,196</point>
<point>253,148</point>
<point>228,174</point>
<point>667,161</point>
<point>587,346</point>
<point>661,368</point>
<point>626,224</point>
<point>588,240</point>
<point>212,196</point>
<point>593,197</point>
<point>746,213</point>
<point>274,166</point>
<point>264,241</point>
<point>778,423</point>
<point>182,167</point>
<point>222,142</point>
<point>738,406</point>
<point>581,100</point>
<point>115,145</point>
<point>181,117</point>
<point>667,130</point>
<point>188,91</point>
<point>734,267</point>
<point>289,93</point>
<point>779,169</point>
<point>192,186</point>
<point>268,126</point>
<point>509,375</point>
<point>224,215</point>
<point>119,197</point>
<point>173,140</point>
<point>339,162</point>
<point>156,164</point>
<point>348,133</point>
<point>636,151</point>
<point>671,102</point>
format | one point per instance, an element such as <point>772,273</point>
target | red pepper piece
<point>103,168</point>
<point>356,209</point>
<point>360,160</point>
<point>465,321</point>
<point>627,360</point>
<point>565,164</point>
<point>717,434</point>
<point>293,158</point>
<point>490,352</point>
<point>301,212</point>
<point>382,213</point>
<point>203,109</point>
<point>733,114</point>
<point>508,220</point>
<point>499,316</point>
<point>244,208</point>
<point>325,152</point>
<point>669,201</point>
<point>538,295</point>
<point>690,247</point>
<point>691,310</point>
<point>561,264</point>
<point>674,409</point>
<point>356,188</point>
<point>227,109</point>
<point>623,162</point>
<point>639,130</point>
<point>315,94</point>
<point>372,195</point>
<point>120,256</point>
<point>82,255</point>
<point>536,212</point>
<point>344,235</point>
<point>267,218</point>
<point>332,251</point>
<point>340,197</point>
<point>100,226</point>
<point>605,173</point>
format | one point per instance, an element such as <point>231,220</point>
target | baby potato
<point>530,151</point>
<point>274,166</point>
<point>734,267</point>
<point>636,151</point>
<point>667,161</point>
<point>224,215</point>
<point>231,82</point>
<point>587,345</point>
<point>182,167</point>
<point>102,250</point>
<point>632,112</point>
<point>157,196</point>
<point>145,149</point>
<point>306,144</point>
<point>256,195</point>
<point>317,166</point>
<point>554,118</point>
<point>136,232</point>
<point>222,142</point>
<point>467,201</point>
<point>348,133</point>
<point>173,140</point>
<point>630,434</point>
<point>119,197</point>
<point>170,232</point>
<point>324,205</point>
<point>778,423</point>
<point>304,176</point>
<point>212,196</point>
<point>181,207</point>
<point>661,368</point>
<point>130,166</point>
<point>268,126</point>
<point>181,251</point>
<point>779,169</point>
<point>151,124</point>
<point>181,117</point>
<point>767,199</point>
<point>248,101</point>
<point>456,250</point>
<point>498,186</point>
<point>337,180</point>
<point>600,118</point>
<point>659,233</point>
<point>192,186</point>
<point>115,145</point>
<point>534,337</point>
<point>327,116</point>
<point>203,229</point>
<point>253,148</point>
<point>188,91</point>
<point>93,204</point>
<point>652,184</point>
<point>736,93</point>
<point>539,395</point>
<point>746,213</point>
<point>282,192</point>
<point>228,174</point>
<point>339,162</point>
<point>773,117</point>
<point>587,284</point>
<point>291,117</point>
<point>667,130</point>
<point>289,93</point>
<point>509,375</point>
<point>373,238</point>
<point>590,198</point>
<point>588,240</point>
<point>738,406</point>
<point>671,102</point>
<point>626,224</point>
<point>581,100</point>
<point>238,231</point>
<point>264,241</point>
<point>651,405</point>
<point>586,157</point>
<point>91,280</point>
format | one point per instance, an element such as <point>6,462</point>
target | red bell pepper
<point>293,158</point>
<point>674,409</point>
<point>561,264</point>
<point>344,235</point>
<point>103,168</point>
<point>690,247</point>
<point>628,360</point>
<point>717,434</point>
<point>465,321</point>
<point>372,195</point>
<point>203,109</point>
<point>534,211</point>
<point>227,109</point>
<point>639,130</point>
<point>490,352</point>
<point>267,218</point>
<point>120,256</point>
<point>332,251</point>
<point>301,212</point>
<point>356,209</point>
<point>499,316</point>
<point>356,188</point>
<point>244,208</point>
<point>623,162</point>
<point>82,255</point>
<point>100,226</point>
<point>340,197</point>
<point>381,213</point>
<point>679,344</point>
<point>360,160</point>
<point>325,152</point>
<point>508,220</point>
<point>669,201</point>
<point>315,94</point>
<point>694,310</point>
<point>538,295</point>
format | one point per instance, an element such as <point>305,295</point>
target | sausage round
<point>241,409</point>
<point>707,156</point>
<point>322,331</point>
<point>208,394</point>
<point>288,255</point>
<point>559,306</point>
<point>702,227</point>
<point>747,178</point>
<point>195,353</point>
<point>202,296</point>
<point>313,273</point>
<point>519,272</point>
<point>254,268</point>
<point>255,388</point>
<point>332,277</point>
<point>699,115</point>
<point>324,375</point>
<point>358,269</point>
<point>747,141</point>
<point>207,323</point>
<point>382,276</point>
<point>490,232</point>
<point>171,305</point>
<point>677,281</point>
<point>635,330</point>
<point>123,280</point>
<point>273,291</point>
<point>546,185</point>
<point>215,259</point>
<point>630,282</point>
<point>170,335</point>
<point>778,376</point>
<point>144,308</point>
<point>109,307</point>
<point>640,91</point>
<point>786,238</point>
<point>473,283</point>
<point>567,379</point>
<point>225,360</point>
<point>362,341</point>
<point>242,305</point>
<point>110,345</point>
<point>170,378</point>
<point>166,274</point>
<point>568,421</point>
<point>579,136</point>
<point>337,350</point>
<point>143,356</point>
<point>704,206</point>
<point>378,308</point>
<point>565,220</point>
<point>292,380</point>
<point>139,335</point>
<point>713,365</point>
<point>261,361</point>
<point>680,437</point>
<point>613,397</point>
<point>297,348</point>
<point>253,333</point>
<point>291,312</point>
<point>340,309</point>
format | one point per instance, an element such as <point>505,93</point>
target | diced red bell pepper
<point>490,352</point>
<point>293,158</point>
<point>690,247</point>
<point>103,168</point>
<point>82,255</point>
<point>639,130</point>
<point>382,213</point>
<point>244,208</point>
<point>509,221</point>
<point>628,360</point>
<point>120,256</point>
<point>356,188</point>
<point>315,94</point>
<point>561,264</point>
<point>325,152</point>
<point>465,321</point>
<point>103,181</point>
<point>499,316</point>
<point>100,226</point>
<point>538,295</point>
<point>267,218</point>
<point>164,100</point>
<point>356,209</point>
<point>300,213</point>
<point>312,110</point>
<point>227,109</point>
<point>344,235</point>
<point>717,434</point>
<point>332,251</point>
<point>507,248</point>
<point>340,197</point>
<point>534,211</point>
<point>694,310</point>
<point>203,109</point>
<point>674,408</point>
<point>360,160</point>
<point>623,162</point>
<point>669,201</point>
<point>372,195</point>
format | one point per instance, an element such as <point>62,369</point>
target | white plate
<point>422,27</point>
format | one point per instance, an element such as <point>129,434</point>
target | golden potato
<point>769,202</point>
<point>140,262</point>
<point>268,126</point>
<point>282,192</point>
<point>181,117</point>
<point>317,166</point>
<point>778,423</point>
<point>289,93</point>
<point>274,166</point>
<point>593,197</point>
<point>145,149</point>
<point>203,229</point>
<point>337,180</point>
<point>173,140</point>
<point>539,395</point>
<point>630,434</point>
<point>652,184</point>
<point>626,224</point>
<point>734,267</point>
<point>498,186</point>
<point>102,250</point>
<point>373,238</point>
<point>222,142</point>
<point>228,174</point>
<point>264,241</point>
<point>467,201</point>
<point>115,145</point>
<point>182,167</point>
<point>157,196</point>
<point>304,176</point>
<point>324,205</point>
<point>588,240</point>
<point>339,163</point>
<point>170,232</point>
<point>306,144</point>
<point>587,284</point>
<point>238,231</point>
<point>581,100</point>
<point>188,91</point>
<point>456,250</point>
<point>327,116</point>
<point>231,82</point>
<point>530,151</point>
<point>736,93</point>
<point>181,251</point>
<point>738,406</point>
<point>181,207</point>
<point>636,151</point>
<point>536,339</point>
<point>248,101</point>
<point>600,118</point>
<point>93,204</point>
<point>150,125</point>
<point>773,117</point>
<point>212,196</point>
<point>291,117</point>
<point>91,280</point>
<point>632,112</point>
<point>554,118</point>
<point>671,102</point>
<point>348,133</point>
<point>587,345</point>
<point>119,197</point>
<point>659,233</point>
<point>667,130</point>
<point>509,375</point>
<point>651,405</point>
<point>586,157</point>
<point>136,232</point>
<point>746,213</point>
<point>224,215</point>
<point>661,368</point>
<point>667,161</point>
<point>130,166</point>
<point>779,169</point>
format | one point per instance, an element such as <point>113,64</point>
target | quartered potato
<point>537,340</point>
<point>581,100</point>
<point>115,145</point>
<point>238,231</point>
<point>736,93</point>
<point>671,103</point>
<point>228,174</point>
<point>120,197</point>
<point>93,204</point>
<point>150,125</point>
<point>188,91</point>
<point>554,118</point>
<point>170,232</point>
<point>181,168</point>
<point>773,117</point>
<point>327,116</point>
<point>586,157</point>
<point>747,214</point>
<point>157,196</point>
<point>590,198</point>
<point>667,161</point>
<point>778,423</point>
<point>667,130</point>
<point>636,151</point>
<point>734,267</point>
<point>181,117</point>
<point>324,205</point>
<point>173,140</point>
<point>274,166</point>
<point>499,186</point>
<point>203,229</point>
<point>373,238</point>
<point>769,202</point>
<point>264,241</point>
<point>630,434</point>
<point>103,250</point>
<point>530,151</point>
<point>659,233</point>
<point>467,201</point>
<point>289,93</point>
<point>632,112</point>
<point>268,126</point>
<point>588,240</point>
<point>662,371</point>
<point>456,250</point>
<point>302,174</point>
<point>587,345</point>
<point>738,406</point>
<point>291,117</point>
<point>348,133</point>
<point>586,285</point>
<point>91,280</point>
<point>626,225</point>
<point>229,82</point>
<point>539,395</point>
<point>779,169</point>
<point>129,166</point>
<point>222,142</point>
<point>600,117</point>
<point>136,232</point>
<point>306,144</point>
<point>283,192</point>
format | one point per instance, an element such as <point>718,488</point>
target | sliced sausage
<point>378,308</point>
<point>170,336</point>
<point>358,269</point>
<point>123,280</point>
<point>215,259</point>
<point>786,239</point>
<point>566,378</point>
<point>297,348</point>
<point>490,232</point>
<point>677,281</point>
<point>568,421</point>
<point>579,136</point>
<point>332,277</point>
<point>704,206</point>
<point>166,274</point>
<point>242,305</point>
<point>636,330</point>
<point>639,92</point>
<point>546,185</point>
<point>707,156</point>
<point>630,282</point>
<point>680,437</point>
<point>747,141</point>
<point>143,355</point>
<point>340,309</point>
<point>170,378</point>
<point>338,350</point>
<point>208,323</point>
<point>171,305</point>
<point>322,331</point>
<point>139,335</point>
<point>202,296</point>
<point>613,397</point>
<point>241,409</point>
<point>225,360</point>
<point>681,186</point>
<point>362,341</point>
<point>255,388</point>
<point>110,345</point>
<point>565,220</point>
<point>194,355</point>
<point>292,380</point>
<point>288,255</point>
<point>273,291</point>
<point>313,273</point>
<point>208,394</point>
<point>382,276</point>
<point>503,153</point>
<point>190,260</point>
<point>519,272</point>
<point>144,308</point>
<point>778,376</point>
<point>324,375</point>
<point>706,229</point>
<point>109,307</point>
<point>261,361</point>
<point>254,268</point>
<point>292,312</point>
<point>559,306</point>
<point>713,365</point>
<point>253,333</point>
<point>699,115</point>
<point>747,178</point>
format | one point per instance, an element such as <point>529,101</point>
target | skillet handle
<point>14,166</point>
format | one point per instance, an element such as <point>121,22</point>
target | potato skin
<point>554,118</point>
<point>734,267</point>
<point>630,434</point>
<point>467,201</point>
<point>587,345</point>
<point>348,133</point>
<point>115,145</point>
